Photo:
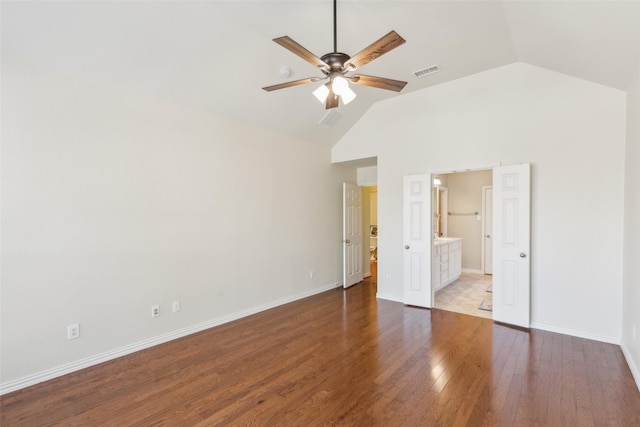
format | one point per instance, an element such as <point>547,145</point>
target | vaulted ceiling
<point>217,55</point>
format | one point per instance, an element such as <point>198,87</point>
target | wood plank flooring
<point>344,358</point>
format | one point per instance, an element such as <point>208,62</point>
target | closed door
<point>351,234</point>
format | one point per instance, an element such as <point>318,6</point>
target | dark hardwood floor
<point>345,358</point>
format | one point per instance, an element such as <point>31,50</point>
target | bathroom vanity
<point>446,261</point>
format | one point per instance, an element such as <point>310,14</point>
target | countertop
<point>442,240</point>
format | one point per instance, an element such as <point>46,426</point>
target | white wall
<point>114,202</point>
<point>631,287</point>
<point>368,176</point>
<point>573,134</point>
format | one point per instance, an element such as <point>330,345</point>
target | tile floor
<point>465,295</point>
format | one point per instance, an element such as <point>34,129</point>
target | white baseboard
<point>635,370</point>
<point>77,365</point>
<point>574,333</point>
<point>471,270</point>
<point>388,297</point>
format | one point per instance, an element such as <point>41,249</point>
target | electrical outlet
<point>635,337</point>
<point>176,306</point>
<point>388,277</point>
<point>311,274</point>
<point>73,331</point>
<point>155,311</point>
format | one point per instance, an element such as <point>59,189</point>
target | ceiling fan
<point>336,65</point>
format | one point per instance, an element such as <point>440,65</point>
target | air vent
<point>330,119</point>
<point>427,71</point>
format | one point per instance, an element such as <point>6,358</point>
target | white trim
<point>388,297</point>
<point>635,371</point>
<point>472,270</point>
<point>77,365</point>
<point>574,333</point>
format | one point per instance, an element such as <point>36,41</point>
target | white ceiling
<point>217,55</point>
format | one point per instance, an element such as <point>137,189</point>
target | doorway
<point>460,214</point>
<point>370,229</point>
<point>360,234</point>
<point>511,293</point>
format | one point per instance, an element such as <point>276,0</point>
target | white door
<point>487,230</point>
<point>351,234</point>
<point>511,244</point>
<point>417,240</point>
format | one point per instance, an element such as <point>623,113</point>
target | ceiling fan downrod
<point>335,60</point>
<point>335,27</point>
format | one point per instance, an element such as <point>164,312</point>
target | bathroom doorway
<point>458,254</point>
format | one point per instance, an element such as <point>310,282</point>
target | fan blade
<point>375,50</point>
<point>379,82</point>
<point>333,100</point>
<point>294,47</point>
<point>290,84</point>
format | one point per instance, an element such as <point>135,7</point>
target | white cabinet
<point>455,260</point>
<point>446,262</point>
<point>436,277</point>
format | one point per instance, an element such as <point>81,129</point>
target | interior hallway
<point>373,279</point>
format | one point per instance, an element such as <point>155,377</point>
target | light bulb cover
<point>347,95</point>
<point>321,93</point>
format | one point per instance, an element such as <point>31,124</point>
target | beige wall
<point>373,203</point>
<point>465,196</point>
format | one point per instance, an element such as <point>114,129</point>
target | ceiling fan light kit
<point>336,65</point>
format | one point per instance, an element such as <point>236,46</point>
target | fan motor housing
<point>335,60</point>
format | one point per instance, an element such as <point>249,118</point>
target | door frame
<point>433,189</point>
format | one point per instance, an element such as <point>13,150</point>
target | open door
<point>511,244</point>
<point>351,234</point>
<point>487,230</point>
<point>417,240</point>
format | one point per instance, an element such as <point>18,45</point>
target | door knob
<point>523,255</point>
<point>407,247</point>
